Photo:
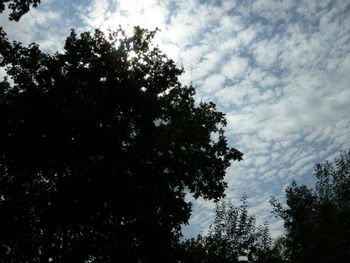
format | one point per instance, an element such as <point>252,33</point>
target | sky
<point>279,70</point>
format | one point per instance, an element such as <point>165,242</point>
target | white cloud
<point>266,53</point>
<point>246,36</point>
<point>235,67</point>
<point>272,9</point>
<point>228,5</point>
<point>2,73</point>
<point>213,83</point>
<point>230,24</point>
<point>40,25</point>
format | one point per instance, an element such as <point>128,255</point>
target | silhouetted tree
<point>98,146</point>
<point>18,7</point>
<point>318,220</point>
<point>233,237</point>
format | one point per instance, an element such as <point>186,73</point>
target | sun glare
<point>146,14</point>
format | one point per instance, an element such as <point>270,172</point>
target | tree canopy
<point>98,147</point>
<point>318,220</point>
<point>18,7</point>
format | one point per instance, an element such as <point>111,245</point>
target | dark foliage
<point>98,146</point>
<point>278,253</point>
<point>18,7</point>
<point>194,251</point>
<point>318,220</point>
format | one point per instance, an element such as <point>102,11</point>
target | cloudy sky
<point>280,70</point>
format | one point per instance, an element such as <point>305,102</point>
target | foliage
<point>18,7</point>
<point>318,220</point>
<point>278,253</point>
<point>233,237</point>
<point>194,251</point>
<point>98,146</point>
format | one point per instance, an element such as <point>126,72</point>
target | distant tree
<point>18,7</point>
<point>98,147</point>
<point>318,220</point>
<point>233,237</point>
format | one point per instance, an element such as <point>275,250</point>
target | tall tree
<point>98,146</point>
<point>318,220</point>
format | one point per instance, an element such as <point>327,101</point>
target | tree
<point>18,7</point>
<point>233,237</point>
<point>98,147</point>
<point>318,220</point>
<point>194,251</point>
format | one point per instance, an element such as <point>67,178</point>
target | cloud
<point>212,83</point>
<point>235,67</point>
<point>26,28</point>
<point>266,53</point>
<point>282,79</point>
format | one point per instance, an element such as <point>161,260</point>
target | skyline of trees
<point>316,221</point>
<point>100,144</point>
